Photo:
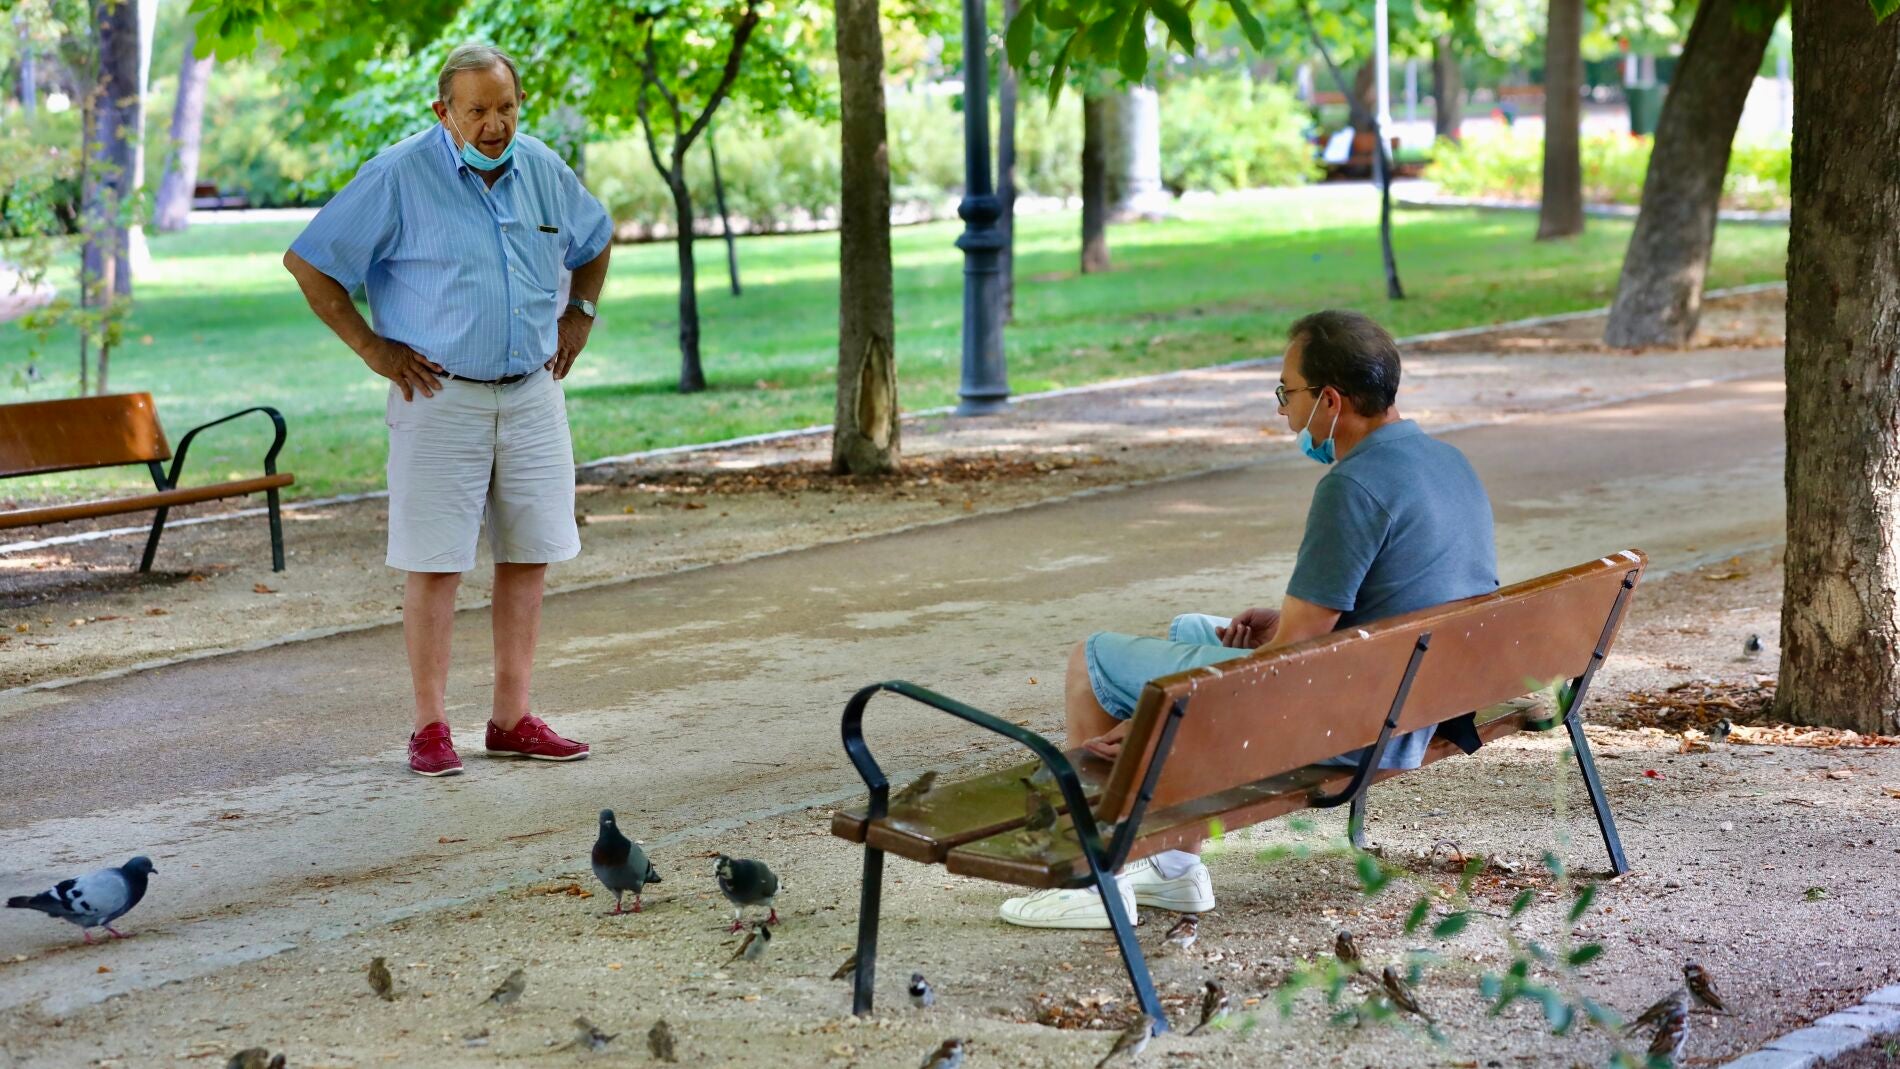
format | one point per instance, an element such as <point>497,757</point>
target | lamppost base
<point>983,406</point>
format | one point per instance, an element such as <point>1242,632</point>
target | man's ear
<point>441,110</point>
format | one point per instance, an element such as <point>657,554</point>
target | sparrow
<point>1676,1001</point>
<point>1214,1003</point>
<point>660,1042</point>
<point>1719,732</point>
<point>1039,817</point>
<point>1400,993</point>
<point>380,981</point>
<point>1702,986</point>
<point>1346,950</point>
<point>510,989</point>
<point>915,790</point>
<point>948,1055</point>
<point>922,995</point>
<point>1751,646</point>
<point>619,863</point>
<point>754,946</point>
<point>746,883</point>
<point>1670,1037</point>
<point>254,1058</point>
<point>1132,1041</point>
<point>590,1037</point>
<point>1185,932</point>
<point>849,968</point>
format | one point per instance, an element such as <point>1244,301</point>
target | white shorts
<point>473,454</point>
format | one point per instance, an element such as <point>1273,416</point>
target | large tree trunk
<point>1659,297</point>
<point>116,127</point>
<point>1448,89</point>
<point>864,436</point>
<point>1006,166</point>
<point>1094,185</point>
<point>1840,613</point>
<point>1365,92</point>
<point>173,209</point>
<point>1561,215</point>
<point>692,377</point>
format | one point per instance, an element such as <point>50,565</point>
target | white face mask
<point>1322,451</point>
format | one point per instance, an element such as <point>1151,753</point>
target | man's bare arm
<point>398,363</point>
<point>590,277</point>
<point>1301,620</point>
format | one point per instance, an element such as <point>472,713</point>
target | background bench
<point>1240,742</point>
<point>41,437</point>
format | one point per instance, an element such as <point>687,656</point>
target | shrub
<point>1510,167</point>
<point>1228,132</point>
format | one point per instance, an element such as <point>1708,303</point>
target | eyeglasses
<point>1279,392</point>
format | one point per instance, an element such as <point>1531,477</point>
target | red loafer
<point>533,738</point>
<point>432,752</point>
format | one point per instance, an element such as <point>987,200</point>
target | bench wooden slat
<point>85,510</point>
<point>957,813</point>
<point>1006,859</point>
<point>39,437</point>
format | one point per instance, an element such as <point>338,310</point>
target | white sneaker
<point>1066,908</point>
<point>1190,892</point>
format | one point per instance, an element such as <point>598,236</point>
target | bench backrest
<point>81,432</point>
<point>1288,708</point>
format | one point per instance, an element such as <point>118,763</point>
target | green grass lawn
<point>225,327</point>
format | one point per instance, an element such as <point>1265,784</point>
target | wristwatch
<point>586,307</point>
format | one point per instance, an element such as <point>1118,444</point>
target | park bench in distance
<point>40,437</point>
<point>1191,757</point>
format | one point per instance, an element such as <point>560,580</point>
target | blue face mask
<point>473,156</point>
<point>1323,451</point>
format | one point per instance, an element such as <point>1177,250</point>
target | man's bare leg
<point>1086,717</point>
<point>428,622</point>
<point>517,624</point>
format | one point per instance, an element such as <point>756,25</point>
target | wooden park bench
<point>40,437</point>
<point>1190,756</point>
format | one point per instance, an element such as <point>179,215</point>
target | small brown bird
<point>948,1055</point>
<point>1185,932</point>
<point>915,790</point>
<point>590,1037</point>
<point>754,946</point>
<point>1400,993</point>
<point>1671,1037</point>
<point>510,989</point>
<point>1702,986</point>
<point>660,1042</point>
<point>1133,1040</point>
<point>1676,1001</point>
<point>1346,950</point>
<point>1214,1003</point>
<point>380,981</point>
<point>255,1058</point>
<point>849,968</point>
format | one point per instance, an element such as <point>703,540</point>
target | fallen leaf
<point>1840,773</point>
<point>156,611</point>
<point>445,840</point>
<point>1032,681</point>
<point>103,619</point>
<point>695,505</point>
<point>233,815</point>
<point>104,969</point>
<point>259,588</point>
<point>1725,577</point>
<point>1891,792</point>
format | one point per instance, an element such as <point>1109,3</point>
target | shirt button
<point>504,230</point>
<point>517,311</point>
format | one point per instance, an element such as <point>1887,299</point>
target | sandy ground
<point>80,609</point>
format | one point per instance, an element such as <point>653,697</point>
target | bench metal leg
<point>1356,822</point>
<point>151,541</point>
<point>1124,926</point>
<point>871,895</point>
<point>276,532</point>
<point>1588,766</point>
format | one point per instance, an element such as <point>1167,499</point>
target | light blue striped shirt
<point>464,274</point>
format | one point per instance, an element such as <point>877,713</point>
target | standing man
<point>460,234</point>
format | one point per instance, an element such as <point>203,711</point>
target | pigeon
<point>1676,1001</point>
<point>948,1055</point>
<point>746,883</point>
<point>1670,1037</point>
<point>660,1042</point>
<point>1133,1040</point>
<point>1702,986</point>
<point>1346,949</point>
<point>94,900</point>
<point>1751,646</point>
<point>255,1058</point>
<point>619,863</point>
<point>1185,932</point>
<point>380,981</point>
<point>1214,1003</point>
<point>510,989</point>
<point>915,791</point>
<point>755,943</point>
<point>590,1037</point>
<point>922,995</point>
<point>1400,993</point>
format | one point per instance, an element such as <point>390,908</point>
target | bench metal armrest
<point>1369,764</point>
<point>270,458</point>
<point>1052,758</point>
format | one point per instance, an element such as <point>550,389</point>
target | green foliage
<point>250,137</point>
<point>1511,166</point>
<point>1223,132</point>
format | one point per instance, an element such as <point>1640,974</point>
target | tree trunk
<point>864,437</point>
<point>28,87</point>
<point>1133,155</point>
<point>1364,92</point>
<point>1561,215</point>
<point>725,221</point>
<point>1094,185</point>
<point>116,126</point>
<point>692,377</point>
<point>1448,90</point>
<point>173,209</point>
<point>1659,297</point>
<point>1006,166</point>
<point>1840,612</point>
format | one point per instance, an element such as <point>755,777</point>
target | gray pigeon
<point>94,900</point>
<point>746,883</point>
<point>620,864</point>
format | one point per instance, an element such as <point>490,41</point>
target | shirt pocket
<point>542,259</point>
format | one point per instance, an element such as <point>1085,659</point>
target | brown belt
<point>505,380</point>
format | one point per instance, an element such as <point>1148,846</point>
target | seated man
<point>1400,523</point>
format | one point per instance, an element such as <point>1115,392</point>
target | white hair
<point>473,56</point>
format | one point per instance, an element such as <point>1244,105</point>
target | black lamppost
<point>985,385</point>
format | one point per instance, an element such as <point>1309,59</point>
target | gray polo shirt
<point>1400,523</point>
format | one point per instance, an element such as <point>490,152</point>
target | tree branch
<point>740,34</point>
<point>646,127</point>
<point>650,73</point>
